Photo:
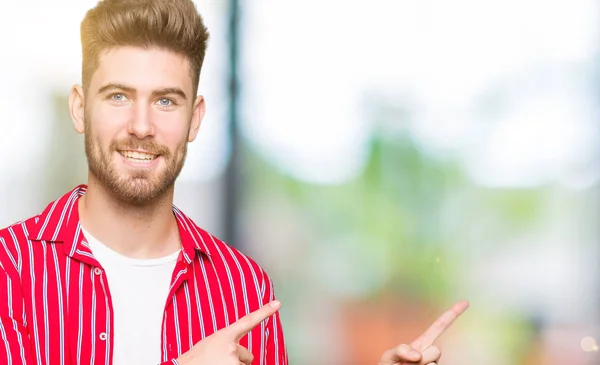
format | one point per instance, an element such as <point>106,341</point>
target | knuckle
<point>232,349</point>
<point>404,348</point>
<point>442,323</point>
<point>432,354</point>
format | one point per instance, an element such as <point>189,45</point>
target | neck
<point>137,231</point>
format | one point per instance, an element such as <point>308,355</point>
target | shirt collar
<point>192,237</point>
<point>59,223</point>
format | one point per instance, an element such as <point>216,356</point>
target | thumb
<point>401,353</point>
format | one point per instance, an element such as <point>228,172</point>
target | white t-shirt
<point>139,290</point>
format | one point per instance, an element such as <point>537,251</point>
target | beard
<point>137,187</point>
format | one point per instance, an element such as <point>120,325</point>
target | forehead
<point>142,69</point>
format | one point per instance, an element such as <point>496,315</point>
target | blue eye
<point>119,98</point>
<point>165,102</point>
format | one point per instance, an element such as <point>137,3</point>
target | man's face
<point>139,115</point>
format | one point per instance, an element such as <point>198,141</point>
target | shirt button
<point>103,336</point>
<point>97,271</point>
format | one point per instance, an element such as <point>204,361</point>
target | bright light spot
<point>302,104</point>
<point>208,155</point>
<point>588,344</point>
<point>533,145</point>
<point>304,85</point>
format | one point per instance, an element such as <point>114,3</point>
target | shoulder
<point>13,240</point>
<point>240,270</point>
<point>18,228</point>
<point>23,237</point>
<point>226,259</point>
<point>229,254</point>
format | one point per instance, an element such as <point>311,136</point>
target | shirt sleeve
<point>276,353</point>
<point>13,332</point>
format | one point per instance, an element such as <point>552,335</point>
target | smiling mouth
<point>135,156</point>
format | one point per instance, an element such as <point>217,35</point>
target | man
<point>112,272</point>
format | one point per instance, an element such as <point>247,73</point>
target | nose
<point>140,123</point>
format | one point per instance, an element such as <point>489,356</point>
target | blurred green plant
<point>405,221</point>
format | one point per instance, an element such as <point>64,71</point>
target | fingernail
<point>275,304</point>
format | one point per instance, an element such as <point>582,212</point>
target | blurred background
<point>381,160</point>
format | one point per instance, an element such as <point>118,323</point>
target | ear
<point>197,116</point>
<point>77,108</point>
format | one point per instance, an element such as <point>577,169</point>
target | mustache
<point>149,145</point>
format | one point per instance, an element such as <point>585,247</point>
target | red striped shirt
<point>55,304</point>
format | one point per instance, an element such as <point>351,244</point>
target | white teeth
<point>138,155</point>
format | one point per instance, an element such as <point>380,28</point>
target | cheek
<point>172,128</point>
<point>105,125</point>
<point>112,118</point>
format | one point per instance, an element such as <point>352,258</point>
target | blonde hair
<point>174,25</point>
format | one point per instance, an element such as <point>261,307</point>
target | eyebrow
<point>112,86</point>
<point>170,91</point>
<point>160,92</point>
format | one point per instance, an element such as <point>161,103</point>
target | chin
<point>132,186</point>
<point>137,191</point>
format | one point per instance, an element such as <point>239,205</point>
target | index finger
<point>247,323</point>
<point>440,325</point>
